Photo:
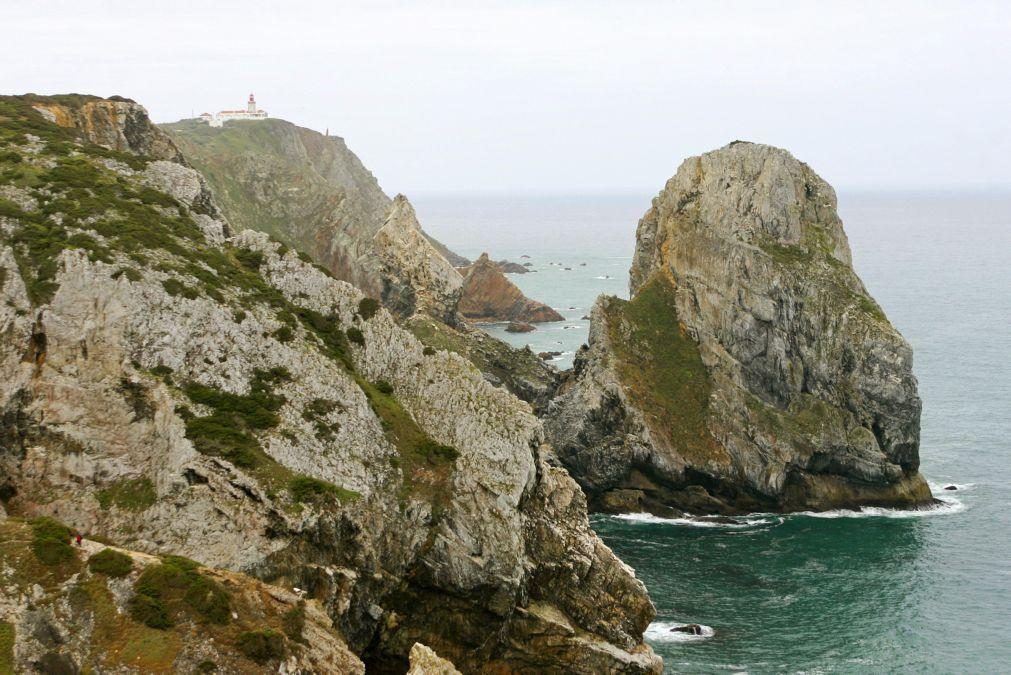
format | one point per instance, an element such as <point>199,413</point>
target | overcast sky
<point>550,96</point>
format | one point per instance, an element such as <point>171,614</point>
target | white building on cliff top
<point>250,113</point>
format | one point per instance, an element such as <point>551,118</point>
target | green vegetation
<point>426,464</point>
<point>384,387</point>
<point>316,411</point>
<point>367,308</point>
<point>261,645</point>
<point>110,562</point>
<point>228,431</point>
<point>428,351</point>
<point>308,490</point>
<point>6,648</point>
<point>661,367</point>
<point>356,336</point>
<point>51,541</point>
<point>293,622</point>
<point>174,287</point>
<point>130,495</point>
<point>284,334</point>
<point>326,329</point>
<point>165,591</point>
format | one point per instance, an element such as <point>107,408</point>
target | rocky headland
<point>176,385</point>
<point>751,370</point>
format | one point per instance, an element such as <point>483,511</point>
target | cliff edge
<point>751,370</point>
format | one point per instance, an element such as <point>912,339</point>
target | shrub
<point>356,336</point>
<point>437,451</point>
<point>51,541</point>
<point>174,287</point>
<point>293,622</point>
<point>160,588</point>
<point>150,611</point>
<point>384,387</point>
<point>308,490</point>
<point>284,334</point>
<point>249,258</point>
<point>428,351</point>
<point>261,645</point>
<point>111,563</point>
<point>209,599</point>
<point>367,308</point>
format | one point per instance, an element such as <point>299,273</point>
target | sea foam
<point>660,631</point>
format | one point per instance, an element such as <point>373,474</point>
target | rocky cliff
<point>751,370</point>
<point>174,387</point>
<point>489,296</point>
<point>312,193</point>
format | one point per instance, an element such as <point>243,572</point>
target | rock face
<point>175,388</point>
<point>751,370</point>
<point>489,296</point>
<point>74,615</point>
<point>311,192</point>
<point>433,287</point>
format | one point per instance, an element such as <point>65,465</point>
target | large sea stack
<point>750,370</point>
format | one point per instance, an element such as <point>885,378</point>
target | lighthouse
<point>250,113</point>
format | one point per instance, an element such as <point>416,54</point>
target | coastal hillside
<point>309,191</point>
<point>175,386</point>
<point>751,370</point>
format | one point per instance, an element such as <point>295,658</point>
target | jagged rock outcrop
<point>68,613</point>
<point>751,370</point>
<point>426,662</point>
<point>489,296</point>
<point>434,286</point>
<point>175,388</point>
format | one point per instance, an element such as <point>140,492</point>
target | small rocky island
<point>751,370</point>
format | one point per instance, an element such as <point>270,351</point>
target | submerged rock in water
<point>950,487</point>
<point>690,629</point>
<point>751,370</point>
<point>520,327</point>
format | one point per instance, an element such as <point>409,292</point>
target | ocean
<point>838,592</point>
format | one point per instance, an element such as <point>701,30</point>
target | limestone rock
<point>414,265</point>
<point>426,662</point>
<point>489,296</point>
<point>218,397</point>
<point>751,370</point>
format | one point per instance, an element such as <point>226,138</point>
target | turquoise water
<point>839,592</point>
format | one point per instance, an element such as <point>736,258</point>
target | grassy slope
<point>662,369</point>
<point>117,639</point>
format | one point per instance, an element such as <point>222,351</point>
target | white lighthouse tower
<point>251,106</point>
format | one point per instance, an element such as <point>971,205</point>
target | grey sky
<point>559,96</point>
